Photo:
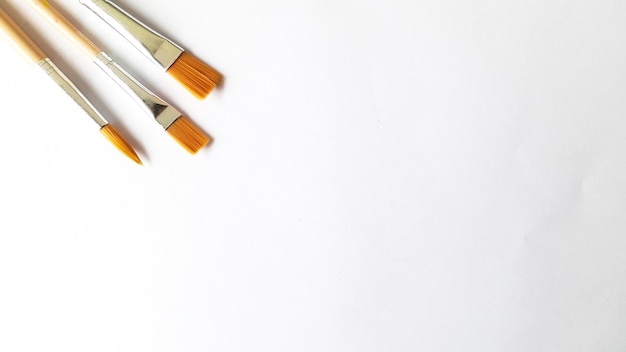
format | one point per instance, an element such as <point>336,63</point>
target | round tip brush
<point>24,44</point>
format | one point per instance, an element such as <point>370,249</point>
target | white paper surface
<point>386,176</point>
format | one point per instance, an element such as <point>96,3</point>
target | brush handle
<point>155,107</point>
<point>66,27</point>
<point>156,47</point>
<point>20,40</point>
<point>70,89</point>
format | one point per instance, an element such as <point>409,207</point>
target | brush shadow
<point>207,148</point>
<point>220,85</point>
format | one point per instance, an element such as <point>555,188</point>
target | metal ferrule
<point>154,106</point>
<point>162,51</point>
<point>53,72</point>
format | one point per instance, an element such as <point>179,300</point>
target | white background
<point>386,176</point>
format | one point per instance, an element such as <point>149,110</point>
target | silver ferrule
<point>154,106</point>
<point>160,50</point>
<point>55,73</point>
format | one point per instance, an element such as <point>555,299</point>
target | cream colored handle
<point>19,39</point>
<point>65,27</point>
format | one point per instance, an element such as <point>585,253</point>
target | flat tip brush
<point>178,127</point>
<point>25,45</point>
<point>187,135</point>
<point>120,143</point>
<point>196,76</point>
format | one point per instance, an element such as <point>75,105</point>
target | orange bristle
<point>199,78</point>
<point>188,135</point>
<point>120,143</point>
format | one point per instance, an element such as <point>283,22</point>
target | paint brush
<point>175,124</point>
<point>24,44</point>
<point>199,78</point>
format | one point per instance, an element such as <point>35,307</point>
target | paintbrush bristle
<point>188,135</point>
<point>199,78</point>
<point>120,143</point>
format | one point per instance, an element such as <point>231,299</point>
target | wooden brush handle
<point>19,39</point>
<point>62,24</point>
